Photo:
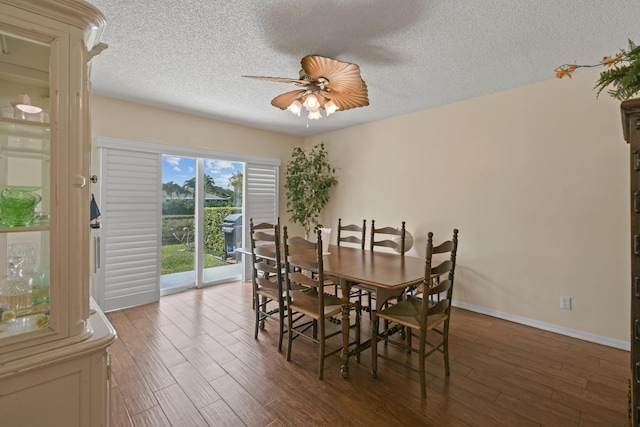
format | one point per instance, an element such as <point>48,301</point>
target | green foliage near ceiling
<point>622,75</point>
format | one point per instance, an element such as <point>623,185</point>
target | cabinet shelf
<point>23,139</point>
<point>23,323</point>
<point>24,128</point>
<point>37,227</point>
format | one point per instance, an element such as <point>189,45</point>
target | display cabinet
<point>631,129</point>
<point>53,340</point>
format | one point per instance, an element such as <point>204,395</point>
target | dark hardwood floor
<point>191,360</point>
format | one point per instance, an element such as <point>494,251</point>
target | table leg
<point>345,287</point>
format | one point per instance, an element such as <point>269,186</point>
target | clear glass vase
<point>16,288</point>
<point>40,287</point>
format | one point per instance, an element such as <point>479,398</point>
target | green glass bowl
<point>18,206</point>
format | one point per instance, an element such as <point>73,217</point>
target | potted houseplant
<point>309,178</point>
<point>622,73</point>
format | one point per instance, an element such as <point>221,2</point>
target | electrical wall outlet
<point>565,303</point>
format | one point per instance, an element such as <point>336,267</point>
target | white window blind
<point>260,200</point>
<point>261,193</point>
<point>131,207</point>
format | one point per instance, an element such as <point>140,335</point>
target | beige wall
<point>536,179</point>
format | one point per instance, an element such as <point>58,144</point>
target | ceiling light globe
<point>295,107</point>
<point>311,103</point>
<point>314,115</point>
<point>330,107</point>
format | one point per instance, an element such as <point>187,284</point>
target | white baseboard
<point>574,333</point>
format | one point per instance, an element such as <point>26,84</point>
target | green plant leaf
<point>308,180</point>
<point>624,79</point>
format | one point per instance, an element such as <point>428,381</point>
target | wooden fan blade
<point>346,101</point>
<point>343,77</point>
<point>284,100</point>
<point>279,79</point>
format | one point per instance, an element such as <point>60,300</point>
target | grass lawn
<point>175,259</point>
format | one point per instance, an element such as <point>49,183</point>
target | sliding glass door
<point>223,220</point>
<point>178,224</point>
<point>173,218</point>
<point>201,222</point>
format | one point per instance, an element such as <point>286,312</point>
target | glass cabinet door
<point>25,187</point>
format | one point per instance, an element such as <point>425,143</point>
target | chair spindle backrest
<point>265,250</point>
<point>438,294</point>
<point>387,239</point>
<point>351,229</point>
<point>303,267</point>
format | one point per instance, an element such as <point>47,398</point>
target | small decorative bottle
<point>16,288</point>
<point>40,288</point>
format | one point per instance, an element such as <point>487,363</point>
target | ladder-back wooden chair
<point>353,235</point>
<point>268,281</point>
<point>308,306</point>
<point>388,237</point>
<point>429,314</point>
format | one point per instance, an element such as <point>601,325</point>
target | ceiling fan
<point>326,84</point>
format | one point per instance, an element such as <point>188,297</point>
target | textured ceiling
<point>190,55</point>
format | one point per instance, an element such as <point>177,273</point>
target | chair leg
<point>358,332</point>
<point>385,328</point>
<point>445,349</point>
<point>409,334</point>
<point>256,303</point>
<point>423,374</point>
<point>263,309</point>
<point>321,364</point>
<point>446,358</point>
<point>385,324</point>
<point>374,346</point>
<point>281,319</point>
<point>290,333</point>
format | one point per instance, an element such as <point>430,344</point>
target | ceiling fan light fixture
<point>330,107</point>
<point>314,115</point>
<point>326,84</point>
<point>311,102</point>
<point>295,107</point>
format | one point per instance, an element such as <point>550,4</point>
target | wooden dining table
<point>389,273</point>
